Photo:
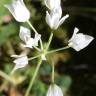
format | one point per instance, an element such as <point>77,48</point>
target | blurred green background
<point>75,72</point>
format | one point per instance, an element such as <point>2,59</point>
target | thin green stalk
<point>32,27</point>
<point>34,57</point>
<point>37,48</point>
<point>7,77</point>
<point>53,72</point>
<point>35,32</point>
<point>56,50</point>
<point>49,52</point>
<point>41,44</point>
<point>49,41</point>
<point>33,78</point>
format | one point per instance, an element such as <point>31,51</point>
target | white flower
<point>54,90</point>
<point>79,40</point>
<point>19,10</point>
<point>54,19</point>
<point>51,4</point>
<point>25,36</point>
<point>20,61</point>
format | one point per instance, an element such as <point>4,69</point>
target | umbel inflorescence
<point>54,19</point>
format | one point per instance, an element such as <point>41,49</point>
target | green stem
<point>34,57</point>
<point>32,27</point>
<point>49,52</point>
<point>35,32</point>
<point>56,50</point>
<point>49,41</point>
<point>41,44</point>
<point>7,77</point>
<point>52,72</point>
<point>33,78</point>
<point>37,48</point>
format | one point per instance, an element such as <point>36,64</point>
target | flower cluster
<point>53,18</point>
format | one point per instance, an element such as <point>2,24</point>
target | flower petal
<point>36,39</point>
<point>24,34</point>
<point>30,43</point>
<point>54,90</point>
<point>74,34</point>
<point>62,20</point>
<point>54,20</point>
<point>22,2</point>
<point>57,10</point>
<point>48,18</point>
<point>51,4</point>
<point>80,40</point>
<point>11,9</point>
<point>23,14</point>
<point>84,43</point>
<point>21,61</point>
<point>47,3</point>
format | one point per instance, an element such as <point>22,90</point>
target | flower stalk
<point>49,52</point>
<point>7,77</point>
<point>33,78</point>
<point>37,48</point>
<point>35,32</point>
<point>49,41</point>
<point>31,26</point>
<point>59,49</point>
<point>37,56</point>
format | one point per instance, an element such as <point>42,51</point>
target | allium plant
<point>53,18</point>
